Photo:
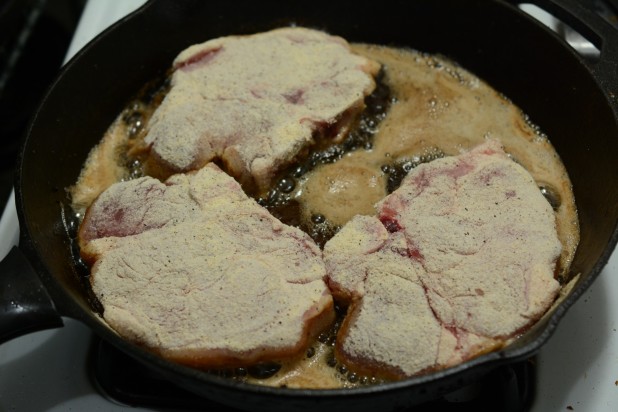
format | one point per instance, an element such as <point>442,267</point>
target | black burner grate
<point>122,379</point>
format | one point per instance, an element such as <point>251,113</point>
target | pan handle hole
<point>578,42</point>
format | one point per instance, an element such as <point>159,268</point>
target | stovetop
<point>70,369</point>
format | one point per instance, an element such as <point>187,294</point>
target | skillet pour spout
<point>573,101</point>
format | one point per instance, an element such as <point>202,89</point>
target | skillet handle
<point>579,16</point>
<point>25,305</point>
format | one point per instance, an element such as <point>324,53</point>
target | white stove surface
<point>47,371</point>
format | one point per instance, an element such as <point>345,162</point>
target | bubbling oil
<point>282,200</point>
<point>320,366</point>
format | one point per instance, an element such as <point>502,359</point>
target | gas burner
<point>122,379</point>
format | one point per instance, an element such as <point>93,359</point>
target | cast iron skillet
<point>574,102</point>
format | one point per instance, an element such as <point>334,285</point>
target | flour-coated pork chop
<point>460,258</point>
<point>200,273</point>
<point>255,102</point>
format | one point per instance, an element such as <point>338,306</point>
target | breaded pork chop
<point>255,102</point>
<point>200,273</point>
<point>458,260</point>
